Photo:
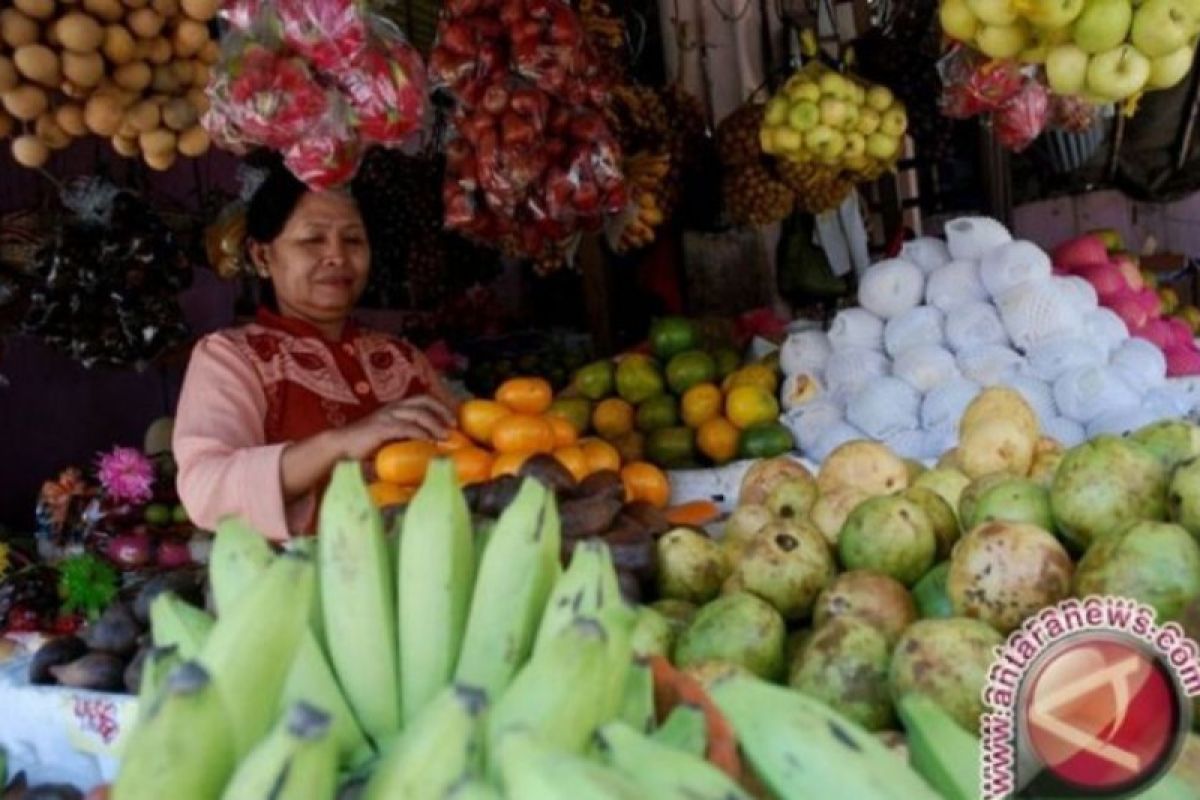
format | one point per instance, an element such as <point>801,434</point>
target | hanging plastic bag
<point>328,33</point>
<point>1023,117</point>
<point>329,152</point>
<point>385,87</point>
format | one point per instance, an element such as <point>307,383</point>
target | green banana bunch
<point>250,650</point>
<point>944,753</point>
<point>473,789</point>
<point>618,620</point>
<point>803,749</point>
<point>516,576</point>
<point>560,695</point>
<point>184,747</point>
<point>159,664</point>
<point>436,575</point>
<point>532,770</point>
<point>436,751</point>
<point>661,771</point>
<point>307,545</point>
<point>177,623</point>
<point>358,601</point>
<point>685,729</point>
<point>588,586</point>
<point>311,680</point>
<point>637,701</point>
<point>239,557</point>
<point>296,761</point>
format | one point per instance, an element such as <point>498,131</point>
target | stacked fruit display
<point>132,73</point>
<point>1121,286</point>
<point>752,193</point>
<point>318,81</point>
<point>534,161</point>
<point>835,124</point>
<point>1105,51</point>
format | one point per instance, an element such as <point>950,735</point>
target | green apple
<point>868,121</point>
<point>803,116</point>
<point>958,22</point>
<point>1050,14</point>
<point>852,112</point>
<point>788,140</point>
<point>833,112</point>
<point>1066,68</point>
<point>1118,74</point>
<point>880,98</point>
<point>817,138</point>
<point>1036,53</point>
<point>834,147</point>
<point>856,163</point>
<point>1002,41</point>
<point>1168,70</point>
<point>858,94</point>
<point>832,84</point>
<point>1160,27</point>
<point>802,90</point>
<point>894,121</point>
<point>993,12</point>
<point>776,111</point>
<point>856,145</point>
<point>883,147</point>
<point>1103,25</point>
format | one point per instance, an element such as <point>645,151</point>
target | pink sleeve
<point>225,469</point>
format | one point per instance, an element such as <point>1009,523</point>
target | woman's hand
<point>416,418</point>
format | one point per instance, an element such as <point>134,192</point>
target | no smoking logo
<point>1100,717</point>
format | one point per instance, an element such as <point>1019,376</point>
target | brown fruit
<point>26,102</point>
<point>145,23</point>
<point>17,29</point>
<point>83,69</point>
<point>49,131</point>
<point>30,151</point>
<point>79,33</point>
<point>119,46</point>
<point>70,118</point>
<point>39,64</point>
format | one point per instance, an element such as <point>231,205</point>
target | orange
<point>523,433</point>
<point>384,493</point>
<point>574,460</point>
<point>751,405</point>
<point>718,439</point>
<point>455,440</point>
<point>564,432</point>
<point>478,418</point>
<point>600,455</point>
<point>700,404</point>
<point>613,417</point>
<point>404,462</point>
<point>646,482</point>
<point>631,446</point>
<point>526,395</point>
<point>473,465</point>
<point>508,463</point>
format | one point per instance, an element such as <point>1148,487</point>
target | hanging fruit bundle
<point>752,194</point>
<point>318,81</point>
<point>533,161</point>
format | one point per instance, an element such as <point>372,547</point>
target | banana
<point>239,556</point>
<point>516,576</point>
<point>311,680</point>
<point>618,621</point>
<point>436,751</point>
<point>661,771</point>
<point>588,585</point>
<point>253,645</point>
<point>179,624</point>
<point>532,770</point>
<point>473,789</point>
<point>945,754</point>
<point>436,575</point>
<point>297,761</point>
<point>637,702</point>
<point>803,749</point>
<point>685,729</point>
<point>160,662</point>
<point>308,546</point>
<point>358,601</point>
<point>561,695</point>
<point>184,748</point>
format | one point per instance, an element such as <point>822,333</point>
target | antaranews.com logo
<point>1089,698</point>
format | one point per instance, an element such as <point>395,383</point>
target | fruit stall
<point>774,420</point>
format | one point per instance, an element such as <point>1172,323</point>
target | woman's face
<point>320,261</point>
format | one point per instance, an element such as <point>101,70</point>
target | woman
<point>269,408</point>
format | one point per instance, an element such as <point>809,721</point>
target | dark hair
<point>272,204</point>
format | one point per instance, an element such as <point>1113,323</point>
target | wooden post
<point>597,292</point>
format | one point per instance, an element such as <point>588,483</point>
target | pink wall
<point>1172,226</point>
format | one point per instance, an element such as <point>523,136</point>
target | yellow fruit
<point>700,404</point>
<point>753,375</point>
<point>478,418</point>
<point>751,405</point>
<point>717,439</point>
<point>613,417</point>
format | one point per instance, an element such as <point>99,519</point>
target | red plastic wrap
<point>242,15</point>
<point>1023,118</point>
<point>329,154</point>
<point>386,89</point>
<point>973,84</point>
<point>329,33</point>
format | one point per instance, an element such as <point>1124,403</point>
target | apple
<point>958,21</point>
<point>882,146</point>
<point>858,95</point>
<point>1181,332</point>
<point>832,84</point>
<point>852,112</point>
<point>1002,41</point>
<point>834,146</point>
<point>1103,25</point>
<point>858,163</point>
<point>833,112</point>
<point>894,121</point>
<point>1036,53</point>
<point>1131,312</point>
<point>1051,14</point>
<point>856,144</point>
<point>1160,27</point>
<point>1130,270</point>
<point>880,98</point>
<point>1110,237</point>
<point>1169,299</point>
<point>776,112</point>
<point>816,138</point>
<point>1158,332</point>
<point>804,90</point>
<point>1191,315</point>
<point>1066,68</point>
<point>868,121</point>
<point>1168,70</point>
<point>1182,361</point>
<point>1149,279</point>
<point>1105,278</point>
<point>993,12</point>
<point>1082,250</point>
<point>788,140</point>
<point>1119,73</point>
<point>804,116</point>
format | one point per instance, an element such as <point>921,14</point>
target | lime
<point>727,361</point>
<point>765,440</point>
<point>671,447</point>
<point>575,410</point>
<point>179,515</point>
<point>689,368</point>
<point>595,381</point>
<point>157,514</point>
<point>658,412</point>
<point>638,379</point>
<point>671,335</point>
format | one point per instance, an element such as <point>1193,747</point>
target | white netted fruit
<point>1103,326</point>
<point>856,327</point>
<point>1140,362</point>
<point>972,237</point>
<point>891,287</point>
<point>811,421</point>
<point>974,325</point>
<point>852,369</point>
<point>1082,294</point>
<point>926,252</point>
<point>912,444</point>
<point>798,389</point>
<point>990,364</point>
<point>1067,431</point>
<point>1037,393</point>
<point>1121,421</point>
<point>1172,399</point>
<point>917,326</point>
<point>834,438</point>
<point>944,405</point>
<point>954,284</point>
<point>805,351</point>
<point>1013,264</point>
<point>1086,393</point>
<point>939,440</point>
<point>1035,312</point>
<point>887,406</point>
<point>1051,358</point>
<point>925,366</point>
